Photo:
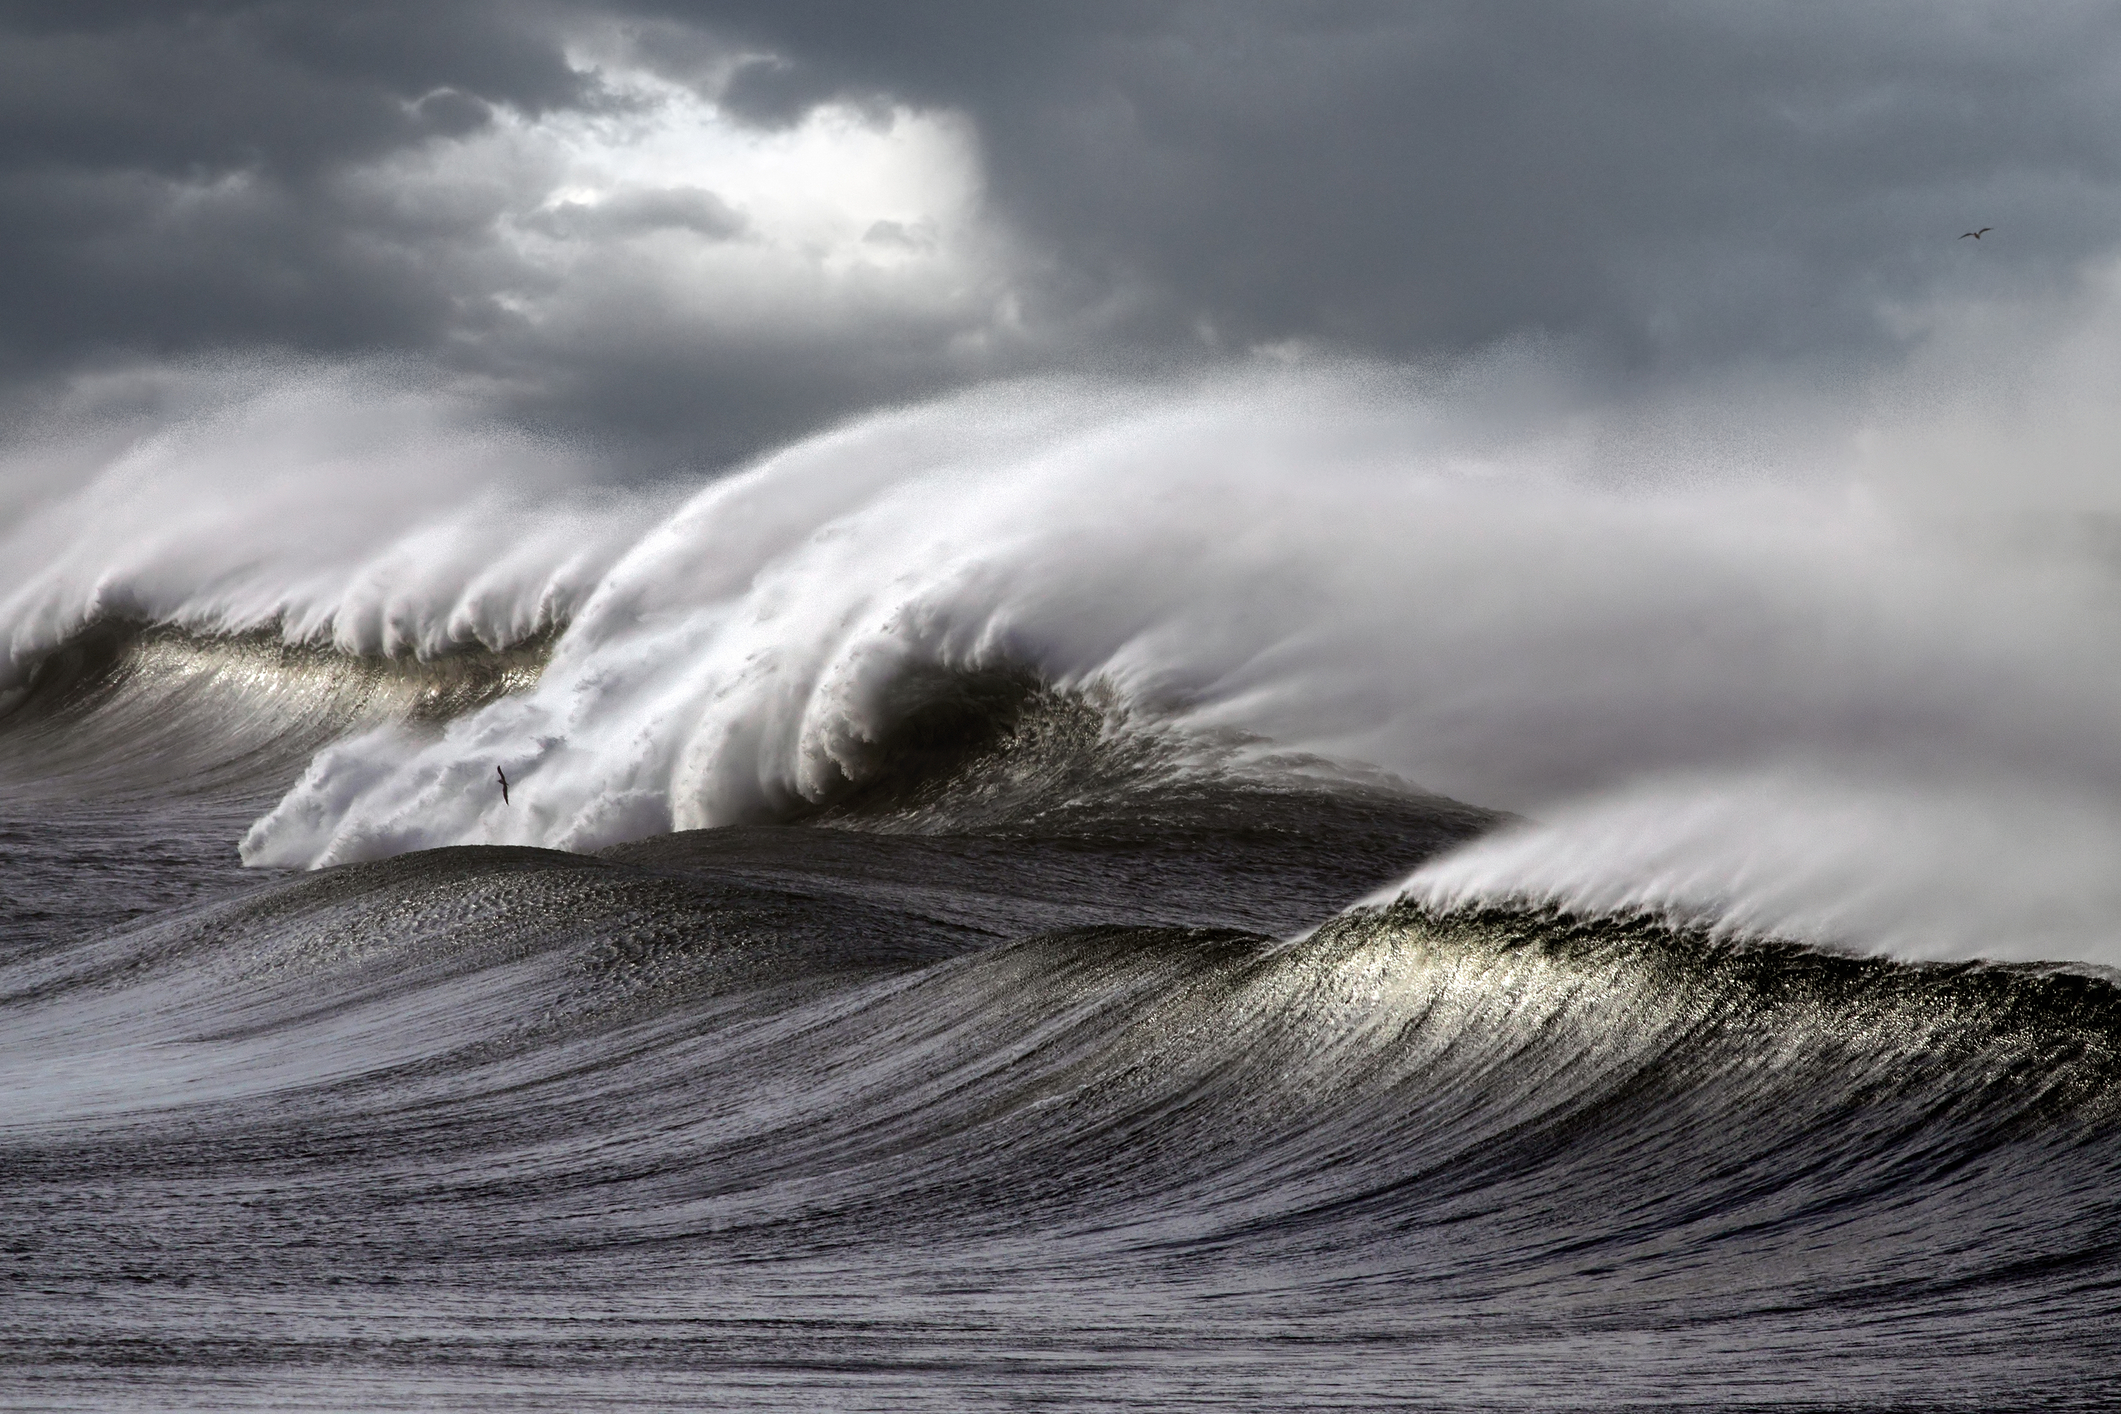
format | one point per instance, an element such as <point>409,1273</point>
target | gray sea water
<point>1026,1075</point>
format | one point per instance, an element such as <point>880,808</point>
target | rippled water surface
<point>1034,1073</point>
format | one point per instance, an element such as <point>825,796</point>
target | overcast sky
<point>695,228</point>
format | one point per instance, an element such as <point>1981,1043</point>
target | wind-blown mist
<point>336,505</point>
<point>1800,703</point>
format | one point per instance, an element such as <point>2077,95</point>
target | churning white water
<point>1793,687</point>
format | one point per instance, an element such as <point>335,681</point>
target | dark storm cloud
<point>116,119</point>
<point>1660,185</point>
<point>179,89</point>
<point>1670,180</point>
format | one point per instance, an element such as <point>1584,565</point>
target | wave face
<point>781,1115</point>
<point>984,912</point>
<point>128,710</point>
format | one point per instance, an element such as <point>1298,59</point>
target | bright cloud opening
<point>656,200</point>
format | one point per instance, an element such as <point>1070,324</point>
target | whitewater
<point>1791,704</point>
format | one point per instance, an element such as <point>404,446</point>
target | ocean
<point>1261,894</point>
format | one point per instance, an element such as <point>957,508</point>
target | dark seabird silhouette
<point>1977,235</point>
<point>504,783</point>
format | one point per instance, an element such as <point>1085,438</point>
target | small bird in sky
<point>504,783</point>
<point>1977,235</point>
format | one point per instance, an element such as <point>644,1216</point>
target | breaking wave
<point>1349,579</point>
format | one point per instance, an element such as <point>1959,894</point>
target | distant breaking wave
<point>328,508</point>
<point>125,708</point>
<point>1789,707</point>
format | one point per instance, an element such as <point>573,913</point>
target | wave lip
<point>1942,868</point>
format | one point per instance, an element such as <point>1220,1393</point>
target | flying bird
<point>1977,235</point>
<point>504,783</point>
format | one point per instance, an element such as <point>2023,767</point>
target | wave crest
<point>1256,576</point>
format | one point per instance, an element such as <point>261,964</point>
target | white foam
<point>332,504</point>
<point>1786,689</point>
<point>1938,868</point>
<point>1332,570</point>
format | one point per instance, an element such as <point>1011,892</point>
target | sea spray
<point>1349,570</point>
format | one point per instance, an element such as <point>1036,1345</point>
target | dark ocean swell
<point>1034,1067</point>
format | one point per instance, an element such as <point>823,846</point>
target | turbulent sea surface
<point>912,976</point>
